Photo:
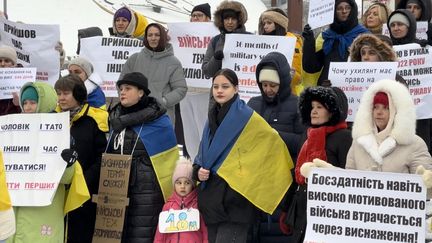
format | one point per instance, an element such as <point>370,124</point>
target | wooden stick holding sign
<point>112,198</point>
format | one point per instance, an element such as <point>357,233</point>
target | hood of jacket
<point>233,5</point>
<point>424,4</point>
<point>169,51</point>
<point>278,61</point>
<point>411,35</point>
<point>404,120</point>
<point>333,98</point>
<point>350,23</point>
<point>47,96</point>
<point>385,51</point>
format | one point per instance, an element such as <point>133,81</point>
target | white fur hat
<point>9,53</point>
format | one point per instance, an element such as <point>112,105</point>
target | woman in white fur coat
<point>384,136</point>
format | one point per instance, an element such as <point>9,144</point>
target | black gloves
<point>423,43</point>
<point>307,32</point>
<point>70,156</point>
<point>218,55</point>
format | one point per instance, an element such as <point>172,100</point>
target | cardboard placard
<point>112,198</point>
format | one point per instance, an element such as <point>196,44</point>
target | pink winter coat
<point>175,202</point>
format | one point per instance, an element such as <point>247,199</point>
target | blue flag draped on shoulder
<point>249,155</point>
<point>161,144</point>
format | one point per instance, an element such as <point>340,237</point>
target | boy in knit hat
<point>184,197</point>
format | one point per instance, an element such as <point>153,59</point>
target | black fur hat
<point>333,98</point>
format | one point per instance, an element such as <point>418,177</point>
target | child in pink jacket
<point>184,197</point>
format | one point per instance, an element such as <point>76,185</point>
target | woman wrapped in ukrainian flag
<point>243,164</point>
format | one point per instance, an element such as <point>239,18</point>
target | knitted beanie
<point>269,74</point>
<point>204,8</point>
<point>83,64</point>
<point>183,169</point>
<point>123,12</point>
<point>29,93</point>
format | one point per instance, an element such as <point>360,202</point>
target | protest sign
<point>242,53</point>
<point>365,207</point>
<point>174,221</point>
<point>35,47</point>
<point>321,13</point>
<point>190,41</point>
<point>415,66</point>
<point>12,79</point>
<point>108,55</point>
<point>355,77</point>
<point>34,166</point>
<point>112,198</point>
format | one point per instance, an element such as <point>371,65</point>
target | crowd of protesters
<point>297,101</point>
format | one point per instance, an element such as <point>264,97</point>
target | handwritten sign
<point>365,206</point>
<point>112,198</point>
<point>173,221</point>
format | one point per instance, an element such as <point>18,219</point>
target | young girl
<point>183,197</point>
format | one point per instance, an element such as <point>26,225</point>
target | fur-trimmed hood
<point>404,120</point>
<point>383,49</point>
<point>233,5</point>
<point>333,98</point>
<point>426,9</point>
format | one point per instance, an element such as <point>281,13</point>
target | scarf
<point>314,147</point>
<point>345,40</point>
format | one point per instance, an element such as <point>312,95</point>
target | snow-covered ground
<point>71,15</point>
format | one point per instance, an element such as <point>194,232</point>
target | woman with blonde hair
<point>374,18</point>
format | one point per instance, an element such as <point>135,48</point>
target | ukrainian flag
<point>78,192</point>
<point>161,144</point>
<point>5,202</point>
<point>249,155</point>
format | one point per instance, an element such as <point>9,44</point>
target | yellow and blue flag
<point>249,155</point>
<point>161,144</point>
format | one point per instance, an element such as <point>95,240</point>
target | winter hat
<point>229,74</point>
<point>275,17</point>
<point>204,8</point>
<point>270,74</point>
<point>136,79</point>
<point>381,98</point>
<point>72,82</point>
<point>83,64</point>
<point>29,93</point>
<point>9,53</point>
<point>415,2</point>
<point>398,17</point>
<point>230,13</point>
<point>123,12</point>
<point>183,169</point>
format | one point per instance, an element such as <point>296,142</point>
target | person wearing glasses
<point>201,13</point>
<point>331,45</point>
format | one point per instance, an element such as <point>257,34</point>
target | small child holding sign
<point>179,220</point>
